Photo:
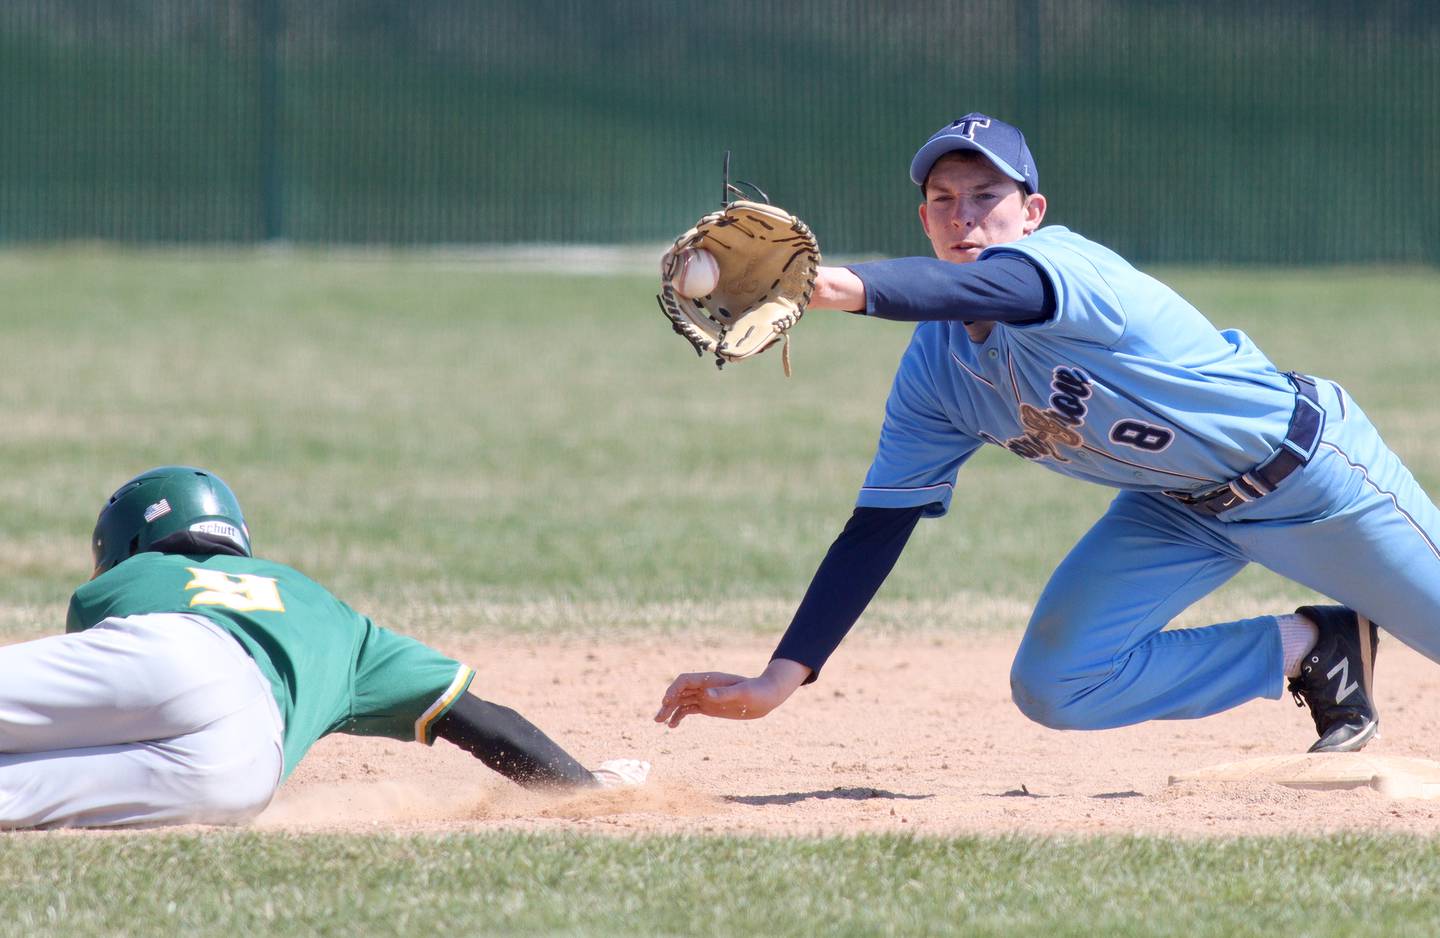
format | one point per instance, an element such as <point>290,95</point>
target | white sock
<point>1297,636</point>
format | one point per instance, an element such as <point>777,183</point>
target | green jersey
<point>332,669</point>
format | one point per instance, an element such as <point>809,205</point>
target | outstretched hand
<point>730,696</point>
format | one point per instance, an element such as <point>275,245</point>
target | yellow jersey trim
<point>463,676</point>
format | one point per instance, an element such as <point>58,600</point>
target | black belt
<point>1301,438</point>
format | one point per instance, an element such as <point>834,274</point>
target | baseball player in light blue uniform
<point>1055,348</point>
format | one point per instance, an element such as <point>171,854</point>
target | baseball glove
<point>766,260</point>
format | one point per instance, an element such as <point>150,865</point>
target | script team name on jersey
<point>1046,431</point>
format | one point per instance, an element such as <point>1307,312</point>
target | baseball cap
<point>1000,143</point>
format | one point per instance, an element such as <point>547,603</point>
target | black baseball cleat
<point>1336,678</point>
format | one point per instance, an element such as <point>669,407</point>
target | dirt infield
<point>903,734</point>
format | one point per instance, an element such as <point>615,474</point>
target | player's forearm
<point>783,676</point>
<point>837,288</point>
<point>845,582</point>
<point>511,745</point>
<point>1004,288</point>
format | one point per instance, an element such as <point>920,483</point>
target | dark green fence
<point>1217,131</point>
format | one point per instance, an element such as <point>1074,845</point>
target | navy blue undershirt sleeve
<point>1002,288</point>
<point>845,582</point>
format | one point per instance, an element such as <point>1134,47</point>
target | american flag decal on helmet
<point>158,510</point>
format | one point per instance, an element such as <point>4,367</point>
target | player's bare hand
<point>730,696</point>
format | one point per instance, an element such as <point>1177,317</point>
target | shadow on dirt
<point>849,794</point>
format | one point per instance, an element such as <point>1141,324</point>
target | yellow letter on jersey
<point>243,592</point>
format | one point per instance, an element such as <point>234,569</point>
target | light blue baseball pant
<point>1352,525</point>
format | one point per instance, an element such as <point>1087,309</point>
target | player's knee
<point>228,798</point>
<point>1034,701</point>
<point>1045,696</point>
<point>233,789</point>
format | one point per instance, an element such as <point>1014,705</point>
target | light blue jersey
<point>1128,385</point>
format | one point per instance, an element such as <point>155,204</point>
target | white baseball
<point>698,274</point>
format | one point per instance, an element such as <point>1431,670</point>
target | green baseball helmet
<point>172,509</point>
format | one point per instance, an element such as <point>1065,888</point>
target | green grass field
<point>458,446</point>
<point>245,884</point>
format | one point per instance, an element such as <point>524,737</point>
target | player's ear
<point>925,220</point>
<point>1034,212</point>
